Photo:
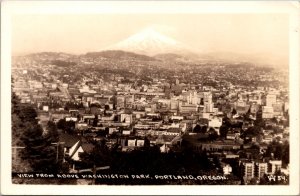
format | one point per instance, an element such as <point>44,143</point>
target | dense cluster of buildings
<point>166,113</point>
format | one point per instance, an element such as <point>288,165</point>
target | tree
<point>95,121</point>
<point>100,156</point>
<point>15,103</point>
<point>70,127</point>
<point>286,153</point>
<point>234,112</point>
<point>106,107</point>
<point>52,132</point>
<point>27,113</point>
<point>274,120</point>
<point>61,124</point>
<point>201,102</point>
<point>197,129</point>
<point>251,132</point>
<point>278,152</point>
<point>38,150</point>
<point>223,131</point>
<point>259,120</point>
<point>212,134</point>
<point>253,181</point>
<point>203,129</point>
<point>226,121</point>
<point>248,113</point>
<point>66,126</point>
<point>17,130</point>
<point>38,155</point>
<point>217,163</point>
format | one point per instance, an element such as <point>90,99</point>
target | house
<point>81,126</point>
<point>126,132</point>
<point>230,136</point>
<point>59,115</point>
<point>267,139</point>
<point>231,156</point>
<point>165,139</point>
<point>131,143</point>
<point>73,146</point>
<point>227,169</point>
<point>221,145</point>
<point>126,118</point>
<point>173,131</point>
<point>164,148</point>
<point>80,148</point>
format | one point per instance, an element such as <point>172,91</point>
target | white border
<point>8,8</point>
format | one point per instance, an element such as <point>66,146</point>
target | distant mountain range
<point>150,45</point>
<point>153,43</point>
<point>212,57</point>
<point>119,54</point>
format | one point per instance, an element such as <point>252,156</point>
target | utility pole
<point>57,145</point>
<point>15,151</point>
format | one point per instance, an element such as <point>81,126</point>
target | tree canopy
<point>26,132</point>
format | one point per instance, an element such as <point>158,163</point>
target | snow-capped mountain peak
<point>149,42</point>
<point>149,34</point>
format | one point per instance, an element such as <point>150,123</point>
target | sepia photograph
<point>150,95</point>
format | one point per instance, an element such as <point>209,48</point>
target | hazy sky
<point>243,33</point>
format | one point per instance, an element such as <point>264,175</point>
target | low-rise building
<point>247,170</point>
<point>275,165</point>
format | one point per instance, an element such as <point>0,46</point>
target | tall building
<point>247,169</point>
<point>120,101</point>
<point>193,98</point>
<point>174,104</point>
<point>275,165</point>
<point>215,123</point>
<point>208,107</point>
<point>270,99</point>
<point>267,112</point>
<point>207,97</point>
<point>286,106</point>
<point>261,169</point>
<point>129,100</point>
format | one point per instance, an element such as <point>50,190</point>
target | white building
<point>189,108</point>
<point>248,169</point>
<point>227,169</point>
<point>126,118</point>
<point>261,169</point>
<point>267,112</point>
<point>45,108</point>
<point>215,123</point>
<point>207,97</point>
<point>275,165</point>
<point>270,99</point>
<point>131,142</point>
<point>208,107</point>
